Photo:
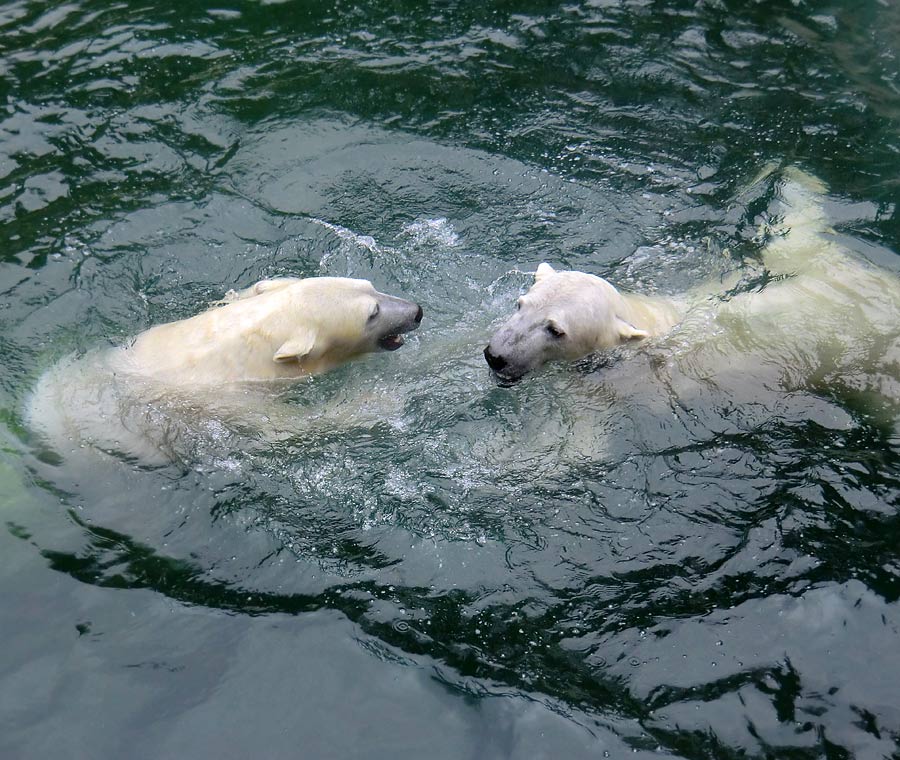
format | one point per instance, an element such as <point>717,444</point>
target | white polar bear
<point>819,311</point>
<point>136,400</point>
<point>568,315</point>
<point>280,328</point>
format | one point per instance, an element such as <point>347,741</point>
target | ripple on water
<point>698,560</point>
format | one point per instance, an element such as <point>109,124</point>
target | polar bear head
<point>280,328</point>
<point>327,320</point>
<point>564,316</point>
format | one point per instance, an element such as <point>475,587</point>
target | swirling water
<point>434,564</point>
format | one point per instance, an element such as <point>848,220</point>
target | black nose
<point>419,315</point>
<point>495,362</point>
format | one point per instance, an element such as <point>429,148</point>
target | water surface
<point>433,564</point>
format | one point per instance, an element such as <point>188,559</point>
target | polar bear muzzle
<point>392,318</point>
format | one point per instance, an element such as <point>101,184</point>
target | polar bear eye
<point>555,330</point>
<point>374,312</point>
<point>518,304</point>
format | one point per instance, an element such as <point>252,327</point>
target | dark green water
<point>558,569</point>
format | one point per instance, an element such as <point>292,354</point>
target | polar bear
<point>280,328</point>
<point>816,309</point>
<point>137,400</point>
<point>568,315</point>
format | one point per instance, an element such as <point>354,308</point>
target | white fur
<point>567,315</point>
<point>822,310</point>
<point>137,399</point>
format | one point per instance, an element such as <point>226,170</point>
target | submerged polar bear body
<point>145,400</point>
<point>819,313</point>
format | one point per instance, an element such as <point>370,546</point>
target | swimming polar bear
<point>280,328</point>
<point>818,311</point>
<point>568,315</point>
<point>136,400</point>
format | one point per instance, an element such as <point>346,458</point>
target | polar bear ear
<point>543,270</point>
<point>296,348</point>
<point>628,331</point>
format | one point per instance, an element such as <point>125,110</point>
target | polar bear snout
<point>394,317</point>
<point>495,362</point>
<point>505,372</point>
<point>518,347</point>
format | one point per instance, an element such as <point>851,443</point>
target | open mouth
<point>506,381</point>
<point>390,342</point>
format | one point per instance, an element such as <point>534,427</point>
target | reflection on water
<point>668,559</point>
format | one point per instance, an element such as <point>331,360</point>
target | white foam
<point>363,241</point>
<point>434,231</point>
